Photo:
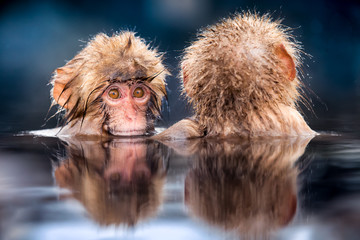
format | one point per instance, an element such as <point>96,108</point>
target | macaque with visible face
<point>241,76</point>
<point>114,86</point>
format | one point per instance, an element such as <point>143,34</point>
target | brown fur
<point>184,129</point>
<point>114,200</point>
<point>241,76</point>
<point>77,86</point>
<point>248,186</point>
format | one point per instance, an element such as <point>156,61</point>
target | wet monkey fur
<point>241,76</point>
<point>114,86</point>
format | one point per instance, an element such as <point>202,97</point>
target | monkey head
<point>241,77</point>
<point>115,86</point>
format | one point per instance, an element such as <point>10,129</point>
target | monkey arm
<point>184,129</point>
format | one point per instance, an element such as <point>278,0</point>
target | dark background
<point>36,37</point>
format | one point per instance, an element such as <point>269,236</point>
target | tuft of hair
<point>231,72</point>
<point>105,59</point>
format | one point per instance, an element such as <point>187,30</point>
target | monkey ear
<point>287,64</point>
<point>60,92</point>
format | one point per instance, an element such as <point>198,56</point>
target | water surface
<point>285,188</point>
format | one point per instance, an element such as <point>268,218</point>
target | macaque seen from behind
<point>241,77</point>
<point>114,86</point>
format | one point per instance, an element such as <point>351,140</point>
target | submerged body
<point>241,76</point>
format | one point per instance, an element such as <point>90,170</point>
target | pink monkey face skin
<point>127,106</point>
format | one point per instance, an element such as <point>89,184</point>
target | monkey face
<point>126,106</point>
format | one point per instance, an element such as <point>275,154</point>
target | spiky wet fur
<point>122,57</point>
<point>234,83</point>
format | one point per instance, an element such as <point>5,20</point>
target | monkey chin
<point>129,128</point>
<point>125,131</point>
<point>129,133</point>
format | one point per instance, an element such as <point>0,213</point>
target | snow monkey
<point>241,76</point>
<point>114,86</point>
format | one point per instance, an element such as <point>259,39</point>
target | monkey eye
<point>114,94</point>
<point>138,92</point>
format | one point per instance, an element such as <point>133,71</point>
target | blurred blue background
<point>36,37</point>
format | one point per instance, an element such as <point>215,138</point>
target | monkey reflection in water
<point>118,182</point>
<point>247,187</point>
